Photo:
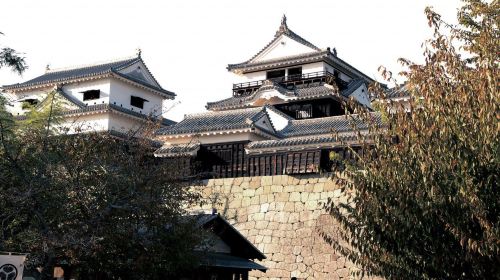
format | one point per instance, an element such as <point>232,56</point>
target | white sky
<point>187,44</point>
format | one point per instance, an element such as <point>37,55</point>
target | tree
<point>10,58</point>
<point>427,203</point>
<point>100,205</point>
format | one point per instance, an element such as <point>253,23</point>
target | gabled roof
<point>211,122</point>
<point>282,31</point>
<point>231,236</point>
<point>89,71</point>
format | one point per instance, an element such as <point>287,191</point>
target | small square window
<point>29,103</point>
<point>91,94</point>
<point>137,101</point>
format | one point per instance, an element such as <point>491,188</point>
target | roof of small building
<point>178,150</point>
<point>231,236</point>
<point>65,75</point>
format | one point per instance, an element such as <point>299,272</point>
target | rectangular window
<point>275,74</point>
<point>91,94</point>
<point>137,101</point>
<point>29,103</point>
<point>296,71</point>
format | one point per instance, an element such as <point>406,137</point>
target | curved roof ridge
<point>225,112</point>
<point>125,60</point>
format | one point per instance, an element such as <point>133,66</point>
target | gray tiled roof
<point>336,124</point>
<point>396,92</point>
<point>104,107</point>
<point>214,121</point>
<point>315,90</point>
<point>178,150</point>
<point>319,141</point>
<point>89,71</point>
<point>352,86</point>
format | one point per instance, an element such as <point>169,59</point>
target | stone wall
<point>283,216</point>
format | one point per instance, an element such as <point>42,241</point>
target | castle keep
<point>286,114</point>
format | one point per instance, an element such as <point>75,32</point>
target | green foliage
<point>10,58</point>
<point>427,204</point>
<point>102,205</point>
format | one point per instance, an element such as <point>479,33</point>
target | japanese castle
<point>285,116</point>
<point>117,96</point>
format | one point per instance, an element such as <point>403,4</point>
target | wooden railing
<point>248,87</point>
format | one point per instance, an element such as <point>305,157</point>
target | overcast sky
<point>188,44</point>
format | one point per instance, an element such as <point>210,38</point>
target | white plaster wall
<point>122,123</point>
<point>278,120</point>
<point>121,93</point>
<point>284,46</point>
<point>14,105</point>
<point>76,90</point>
<point>361,95</point>
<point>87,123</point>
<point>313,67</point>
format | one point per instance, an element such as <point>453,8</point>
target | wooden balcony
<point>290,82</point>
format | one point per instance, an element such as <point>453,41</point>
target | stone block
<point>276,180</point>
<point>299,207</point>
<point>264,207</point>
<point>252,209</point>
<point>273,225</point>
<point>261,224</point>
<point>289,207</point>
<point>294,217</point>
<point>266,180</point>
<point>280,206</point>
<point>259,191</point>
<point>330,186</point>
<point>237,181</point>
<point>254,184</point>
<point>255,200</point>
<point>314,196</point>
<point>311,205</point>
<point>218,182</point>
<point>294,196</point>
<point>276,188</point>
<point>257,217</point>
<point>296,250</point>
<point>248,192</point>
<point>304,196</point>
<point>245,201</point>
<point>318,187</point>
<point>266,239</point>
